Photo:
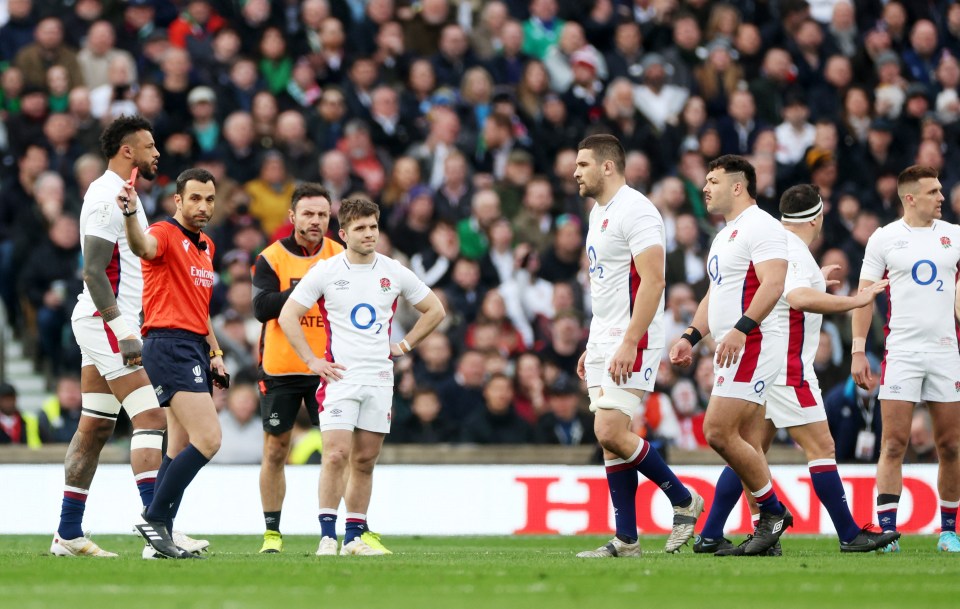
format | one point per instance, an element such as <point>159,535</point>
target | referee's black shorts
<point>280,400</point>
<point>177,360</point>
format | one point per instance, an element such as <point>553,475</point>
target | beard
<point>146,170</point>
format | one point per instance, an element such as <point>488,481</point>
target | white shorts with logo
<point>795,406</point>
<point>99,347</point>
<point>912,377</point>
<point>597,365</point>
<point>350,407</point>
<point>754,373</point>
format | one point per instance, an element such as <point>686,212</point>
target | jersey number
<point>373,318</point>
<point>592,258</point>
<point>933,274</point>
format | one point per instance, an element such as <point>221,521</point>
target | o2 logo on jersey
<point>354,317</point>
<point>713,269</point>
<point>647,374</point>
<point>592,259</point>
<point>758,386</point>
<point>919,269</point>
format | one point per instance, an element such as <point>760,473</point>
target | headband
<point>804,216</point>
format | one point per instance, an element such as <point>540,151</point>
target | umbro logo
<point>336,412</point>
<point>186,244</point>
<point>778,527</point>
<point>341,283</point>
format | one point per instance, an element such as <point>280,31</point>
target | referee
<point>285,381</point>
<point>180,351</point>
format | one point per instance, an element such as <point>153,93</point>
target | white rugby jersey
<point>357,302</point>
<point>751,238</point>
<point>618,231</point>
<point>802,329</point>
<point>100,217</point>
<point>922,266</point>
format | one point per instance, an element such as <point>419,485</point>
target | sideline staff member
<point>285,381</point>
<point>180,351</point>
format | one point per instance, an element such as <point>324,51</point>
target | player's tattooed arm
<point>97,254</point>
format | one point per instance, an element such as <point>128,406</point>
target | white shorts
<point>911,377</point>
<point>795,406</point>
<point>99,347</point>
<point>597,364</point>
<point>350,407</point>
<point>754,373</point>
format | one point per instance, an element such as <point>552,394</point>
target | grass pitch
<point>467,572</point>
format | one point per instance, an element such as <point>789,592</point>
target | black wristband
<point>129,213</point>
<point>692,336</point>
<point>746,325</point>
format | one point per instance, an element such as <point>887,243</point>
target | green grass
<point>455,572</point>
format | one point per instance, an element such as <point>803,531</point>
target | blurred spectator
<point>98,53</point>
<point>566,343</point>
<point>465,291</point>
<point>17,32</point>
<point>13,428</point>
<point>923,448</point>
<point>424,425</point>
<point>542,30</point>
<point>59,416</point>
<point>423,31</point>
<point>685,263</point>
<point>473,231</point>
<point>534,224</point>
<point>561,262</point>
<point>462,396</point>
<point>433,264</point>
<point>497,422</point>
<point>47,49</point>
<point>659,101</point>
<point>434,361</point>
<point>854,417</point>
<point>564,422</point>
<point>194,28</point>
<point>270,193</point>
<point>241,426</point>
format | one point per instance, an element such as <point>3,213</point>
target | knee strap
<point>146,438</point>
<point>140,400</point>
<point>614,398</point>
<point>100,405</point>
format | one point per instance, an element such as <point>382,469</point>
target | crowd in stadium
<point>461,120</point>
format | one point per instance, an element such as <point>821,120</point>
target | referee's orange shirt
<point>178,282</point>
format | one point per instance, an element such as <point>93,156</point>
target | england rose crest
<point>957,386</point>
<point>603,227</point>
<point>733,236</point>
<point>384,284</point>
<point>720,382</point>
<point>945,242</point>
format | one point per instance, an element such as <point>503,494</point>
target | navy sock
<point>272,521</point>
<point>164,465</point>
<point>71,512</point>
<point>887,511</point>
<point>356,526</point>
<point>767,500</point>
<point>328,523</point>
<point>652,466</point>
<point>174,510</point>
<point>725,499</point>
<point>829,490</point>
<point>178,475</point>
<point>948,515</point>
<point>146,484</point>
<point>622,481</point>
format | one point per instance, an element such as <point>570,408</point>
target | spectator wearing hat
<point>559,59</point>
<point>13,428</point>
<point>889,93</point>
<point>564,422</point>
<point>583,98</point>
<point>203,125</point>
<point>659,101</point>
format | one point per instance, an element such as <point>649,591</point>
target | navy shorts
<point>177,360</point>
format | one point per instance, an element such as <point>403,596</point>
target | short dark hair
<point>915,173</point>
<point>605,147</point>
<point>352,210</point>
<point>196,174</point>
<point>119,130</point>
<point>799,198</point>
<point>308,189</point>
<point>733,163</point>
<point>499,376</point>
